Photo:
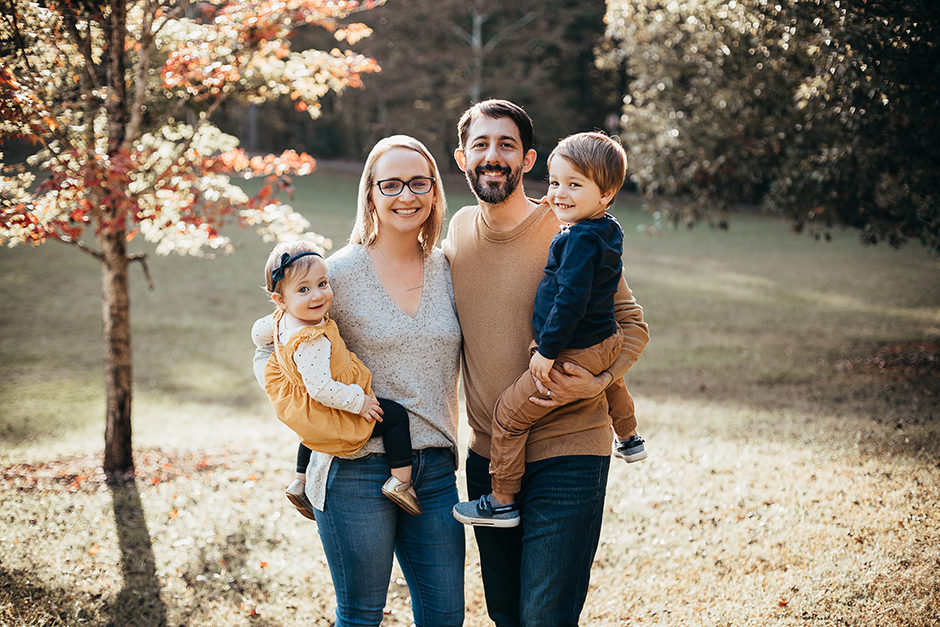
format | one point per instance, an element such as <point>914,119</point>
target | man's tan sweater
<point>495,276</point>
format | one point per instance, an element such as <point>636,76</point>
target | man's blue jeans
<point>537,574</point>
<point>360,528</point>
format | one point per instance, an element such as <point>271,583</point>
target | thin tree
<point>117,97</point>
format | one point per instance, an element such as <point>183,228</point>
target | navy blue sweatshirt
<point>574,304</point>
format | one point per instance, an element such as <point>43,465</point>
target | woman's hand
<point>574,384</point>
<point>371,410</point>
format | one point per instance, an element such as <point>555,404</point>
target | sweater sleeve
<point>636,334</point>
<point>313,363</point>
<point>262,334</point>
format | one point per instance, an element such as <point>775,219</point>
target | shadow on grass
<point>23,602</point>
<point>139,601</point>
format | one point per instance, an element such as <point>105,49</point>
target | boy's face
<point>306,297</point>
<point>573,196</point>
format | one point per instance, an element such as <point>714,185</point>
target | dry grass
<point>789,399</point>
<point>734,520</point>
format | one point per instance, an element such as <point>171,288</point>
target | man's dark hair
<point>496,109</point>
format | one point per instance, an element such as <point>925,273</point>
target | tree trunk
<point>118,377</point>
<point>112,244</point>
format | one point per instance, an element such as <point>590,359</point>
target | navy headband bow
<point>278,273</point>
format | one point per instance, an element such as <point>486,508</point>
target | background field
<point>789,398</point>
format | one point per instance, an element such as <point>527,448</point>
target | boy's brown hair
<point>596,156</point>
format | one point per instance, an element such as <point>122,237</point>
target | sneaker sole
<point>502,523</point>
<point>636,457</point>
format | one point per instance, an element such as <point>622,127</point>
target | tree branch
<point>82,247</point>
<point>140,87</point>
<point>142,258</point>
<point>498,37</point>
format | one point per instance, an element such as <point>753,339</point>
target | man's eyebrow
<point>500,138</point>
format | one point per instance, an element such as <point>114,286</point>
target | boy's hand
<point>540,366</point>
<point>371,410</point>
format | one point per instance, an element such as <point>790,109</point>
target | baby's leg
<point>396,435</point>
<point>303,460</point>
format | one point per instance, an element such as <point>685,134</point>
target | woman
<point>394,307</point>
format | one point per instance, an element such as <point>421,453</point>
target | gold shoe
<point>398,492</point>
<point>298,498</point>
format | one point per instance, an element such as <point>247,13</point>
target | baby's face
<point>307,296</point>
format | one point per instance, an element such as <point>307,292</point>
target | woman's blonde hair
<point>366,227</point>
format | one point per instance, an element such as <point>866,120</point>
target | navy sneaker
<point>485,513</point>
<point>631,449</point>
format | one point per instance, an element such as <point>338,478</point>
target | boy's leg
<point>513,417</point>
<point>622,409</point>
<point>395,433</point>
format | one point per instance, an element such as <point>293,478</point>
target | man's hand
<point>574,384</point>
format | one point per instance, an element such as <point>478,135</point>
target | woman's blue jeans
<point>360,528</point>
<point>538,573</point>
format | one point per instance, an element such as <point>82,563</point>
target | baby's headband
<point>278,273</point>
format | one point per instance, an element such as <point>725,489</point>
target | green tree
<point>825,112</point>
<point>116,98</point>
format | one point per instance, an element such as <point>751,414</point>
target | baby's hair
<point>596,156</point>
<point>300,265</point>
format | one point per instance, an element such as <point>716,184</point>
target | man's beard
<point>494,193</point>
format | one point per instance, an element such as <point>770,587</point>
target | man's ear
<point>461,159</point>
<point>529,161</point>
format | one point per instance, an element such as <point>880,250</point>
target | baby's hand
<point>540,366</point>
<point>371,410</point>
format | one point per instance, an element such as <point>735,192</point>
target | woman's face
<point>406,212</point>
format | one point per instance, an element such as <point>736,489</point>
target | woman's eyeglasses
<point>393,187</point>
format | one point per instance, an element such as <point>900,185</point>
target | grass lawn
<point>789,398</point>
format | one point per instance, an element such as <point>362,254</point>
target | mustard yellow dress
<point>321,428</point>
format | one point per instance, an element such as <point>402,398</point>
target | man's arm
<point>577,383</point>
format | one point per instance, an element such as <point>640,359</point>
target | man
<point>537,573</point>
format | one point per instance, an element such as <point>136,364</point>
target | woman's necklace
<point>400,277</point>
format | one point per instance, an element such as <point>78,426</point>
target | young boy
<point>574,319</point>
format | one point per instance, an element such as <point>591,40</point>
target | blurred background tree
<point>825,112</point>
<point>439,56</point>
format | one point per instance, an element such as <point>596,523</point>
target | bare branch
<point>84,248</point>
<point>142,258</point>
<point>140,89</point>
<point>509,30</point>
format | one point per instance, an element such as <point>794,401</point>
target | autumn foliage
<point>117,98</point>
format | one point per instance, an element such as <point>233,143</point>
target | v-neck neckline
<point>375,277</point>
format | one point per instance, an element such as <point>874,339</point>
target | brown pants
<point>515,414</point>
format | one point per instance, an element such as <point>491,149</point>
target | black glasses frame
<point>406,184</point>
